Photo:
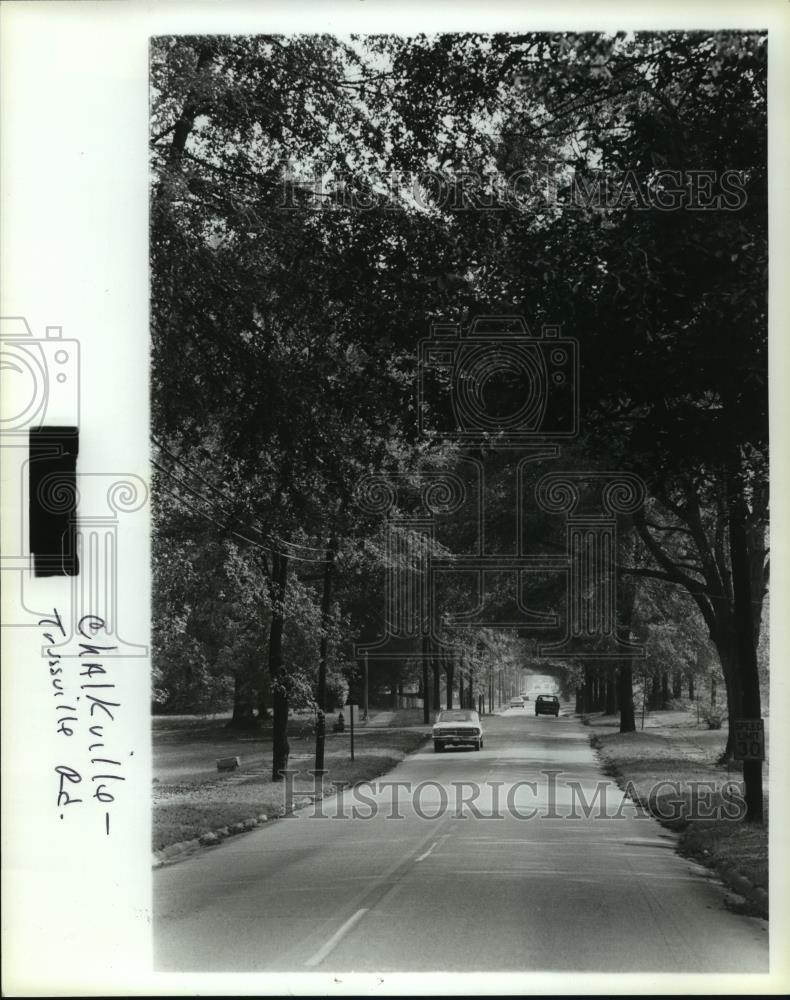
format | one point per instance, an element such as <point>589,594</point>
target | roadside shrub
<point>713,717</point>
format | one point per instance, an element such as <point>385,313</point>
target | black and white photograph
<point>412,630</point>
<point>460,552</point>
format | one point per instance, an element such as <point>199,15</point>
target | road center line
<point>333,942</point>
<point>425,855</point>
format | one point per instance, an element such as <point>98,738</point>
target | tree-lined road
<point>450,893</point>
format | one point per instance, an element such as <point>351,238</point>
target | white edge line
<point>332,943</point>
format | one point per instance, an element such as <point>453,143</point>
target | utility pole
<point>426,708</point>
<point>365,696</point>
<point>644,693</point>
<point>326,608</point>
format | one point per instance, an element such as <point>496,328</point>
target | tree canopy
<point>318,203</point>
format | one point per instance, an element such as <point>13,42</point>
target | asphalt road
<point>516,879</point>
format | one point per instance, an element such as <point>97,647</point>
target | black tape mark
<point>53,500</point>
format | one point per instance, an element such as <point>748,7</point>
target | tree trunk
<point>664,689</point>
<point>588,690</point>
<point>611,692</point>
<point>280,748</point>
<point>435,703</point>
<point>243,703</point>
<point>691,687</point>
<point>449,673</point>
<point>746,643</point>
<point>677,685</point>
<point>264,695</point>
<point>326,607</point>
<point>654,703</point>
<point>726,650</point>
<point>626,684</point>
<point>190,109</point>
<point>579,699</point>
<point>626,602</point>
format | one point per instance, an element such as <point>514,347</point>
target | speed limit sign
<point>749,739</point>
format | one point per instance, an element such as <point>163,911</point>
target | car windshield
<point>547,697</point>
<point>457,716</point>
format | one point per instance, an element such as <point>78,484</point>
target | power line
<point>227,499</point>
<point>220,493</point>
<point>266,548</point>
<point>199,496</point>
<point>211,520</point>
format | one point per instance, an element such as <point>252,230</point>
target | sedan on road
<point>517,702</point>
<point>547,704</point>
<point>456,727</point>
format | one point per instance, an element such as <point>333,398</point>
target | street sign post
<point>749,739</point>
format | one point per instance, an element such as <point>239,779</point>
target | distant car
<point>456,727</point>
<point>517,702</point>
<point>547,704</point>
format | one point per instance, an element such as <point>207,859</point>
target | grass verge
<point>673,772</point>
<point>191,798</point>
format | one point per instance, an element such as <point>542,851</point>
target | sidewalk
<point>378,720</point>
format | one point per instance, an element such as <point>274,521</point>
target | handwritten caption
<point>85,715</point>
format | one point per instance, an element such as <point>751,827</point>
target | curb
<point>175,852</point>
<point>212,838</point>
<point>731,877</point>
<point>738,883</point>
